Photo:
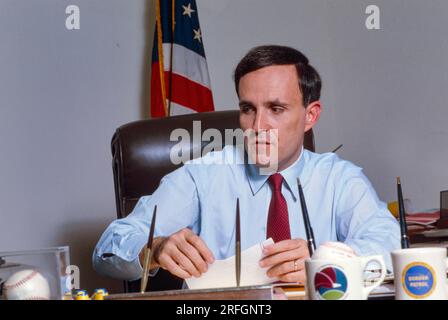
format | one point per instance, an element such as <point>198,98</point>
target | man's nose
<point>260,122</point>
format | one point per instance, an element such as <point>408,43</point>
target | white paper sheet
<point>221,274</point>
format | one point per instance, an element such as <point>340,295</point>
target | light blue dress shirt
<point>201,195</point>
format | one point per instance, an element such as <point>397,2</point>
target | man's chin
<point>262,156</point>
<point>266,163</point>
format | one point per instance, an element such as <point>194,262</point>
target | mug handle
<point>365,261</point>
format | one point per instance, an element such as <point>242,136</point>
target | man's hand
<point>286,260</point>
<point>183,254</point>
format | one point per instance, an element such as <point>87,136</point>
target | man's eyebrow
<point>276,102</point>
<point>244,103</point>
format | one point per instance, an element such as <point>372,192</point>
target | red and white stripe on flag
<point>180,81</point>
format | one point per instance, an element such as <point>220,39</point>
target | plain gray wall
<point>63,93</point>
<point>384,91</point>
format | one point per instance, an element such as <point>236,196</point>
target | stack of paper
<point>423,218</point>
<point>221,274</point>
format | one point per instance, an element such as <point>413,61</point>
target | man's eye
<point>277,109</point>
<point>246,109</point>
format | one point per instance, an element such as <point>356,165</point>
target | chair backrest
<point>141,151</point>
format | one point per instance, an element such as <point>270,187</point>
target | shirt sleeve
<point>117,253</point>
<point>364,222</point>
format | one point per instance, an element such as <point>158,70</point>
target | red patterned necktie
<point>278,220</point>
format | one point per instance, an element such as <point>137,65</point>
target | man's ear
<point>312,114</point>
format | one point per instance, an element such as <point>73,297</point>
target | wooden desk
<point>243,293</point>
<point>428,236</point>
<point>275,292</point>
<point>267,292</point>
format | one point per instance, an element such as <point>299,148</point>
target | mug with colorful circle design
<point>341,279</point>
<point>420,274</point>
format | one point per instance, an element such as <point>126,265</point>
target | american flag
<point>179,76</point>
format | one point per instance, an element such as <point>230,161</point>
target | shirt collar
<point>290,174</point>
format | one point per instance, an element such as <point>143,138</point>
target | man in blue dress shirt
<point>278,90</point>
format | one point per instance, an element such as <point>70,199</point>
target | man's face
<point>270,99</point>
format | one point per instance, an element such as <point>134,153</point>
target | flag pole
<point>160,52</point>
<point>170,80</point>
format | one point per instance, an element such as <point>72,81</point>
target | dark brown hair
<point>310,83</point>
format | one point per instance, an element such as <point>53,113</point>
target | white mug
<point>420,273</point>
<point>338,279</point>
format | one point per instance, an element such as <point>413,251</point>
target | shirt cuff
<point>115,267</point>
<point>121,260</point>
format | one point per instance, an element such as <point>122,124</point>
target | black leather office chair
<point>141,157</point>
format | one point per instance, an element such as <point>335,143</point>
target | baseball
<point>333,250</point>
<point>26,285</point>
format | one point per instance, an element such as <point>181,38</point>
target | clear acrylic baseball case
<point>40,273</point>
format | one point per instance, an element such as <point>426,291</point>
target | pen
<point>402,213</point>
<point>148,254</point>
<point>238,244</point>
<point>337,148</point>
<point>306,220</point>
